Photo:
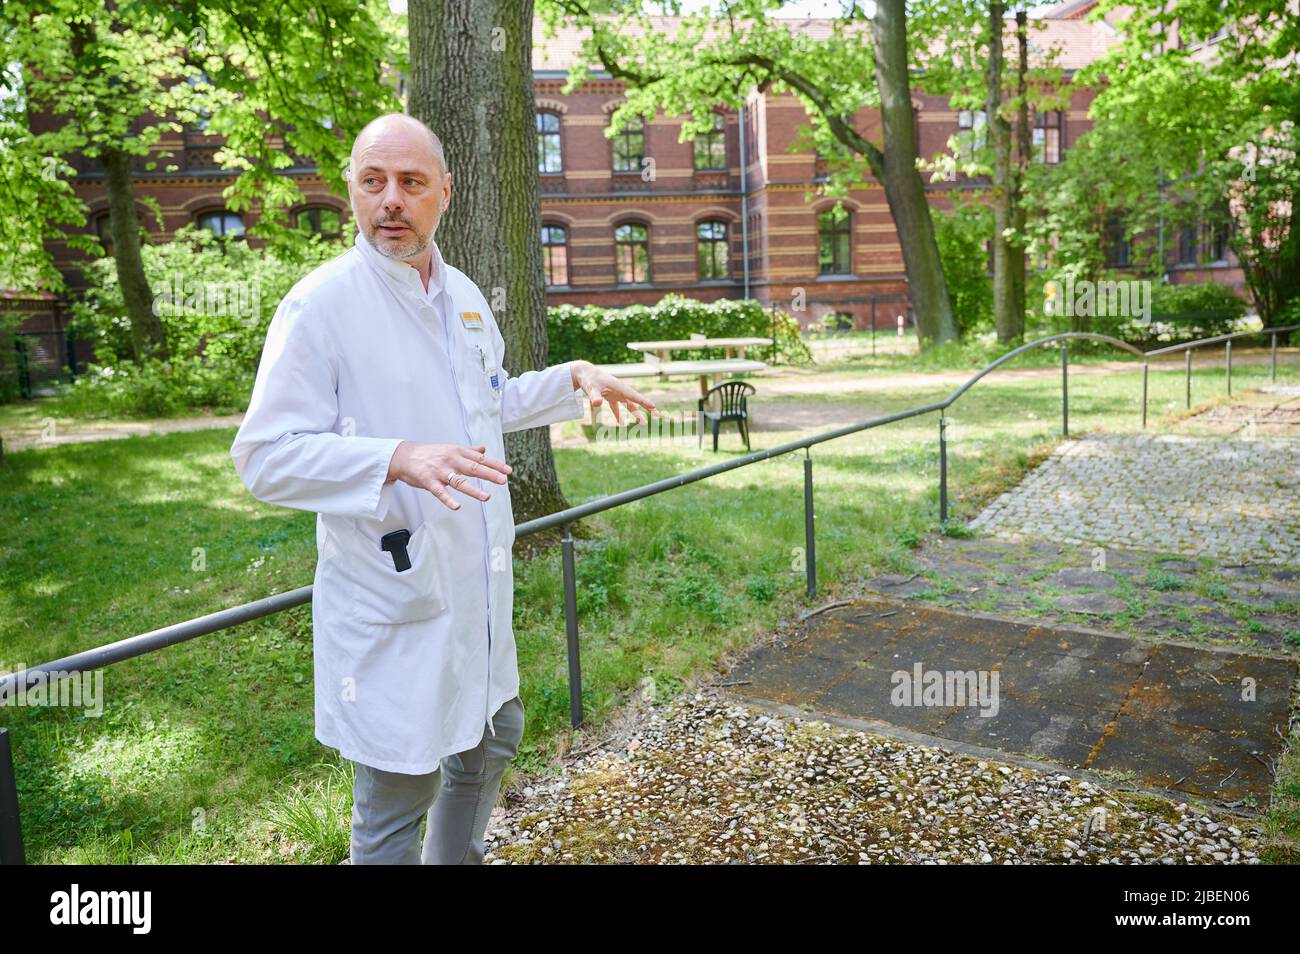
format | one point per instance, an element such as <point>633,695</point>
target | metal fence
<point>11,842</point>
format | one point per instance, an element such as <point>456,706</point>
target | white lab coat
<point>409,666</point>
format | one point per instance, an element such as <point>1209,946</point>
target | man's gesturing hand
<point>601,386</point>
<point>436,467</point>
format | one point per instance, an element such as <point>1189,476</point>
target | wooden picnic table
<point>664,349</point>
<point>653,367</point>
<point>658,361</point>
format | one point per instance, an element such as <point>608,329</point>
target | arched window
<point>711,147</point>
<point>629,147</point>
<point>632,253</point>
<point>1219,221</point>
<point>834,247</point>
<point>1117,246</point>
<point>711,251</point>
<point>104,232</point>
<point>972,131</point>
<point>550,157</point>
<point>320,220</point>
<point>555,254</point>
<point>1047,137</point>
<point>223,223</point>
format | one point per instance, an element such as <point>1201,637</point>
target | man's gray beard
<point>401,252</point>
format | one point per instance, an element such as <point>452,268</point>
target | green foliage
<point>1188,299</point>
<point>760,588</point>
<point>157,388</point>
<point>601,334</point>
<point>1182,139</point>
<point>215,298</point>
<point>962,235</point>
<point>280,88</point>
<point>1187,312</point>
<point>10,387</point>
<point>1178,313</point>
<point>1068,206</point>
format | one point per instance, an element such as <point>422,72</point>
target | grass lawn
<point>205,752</point>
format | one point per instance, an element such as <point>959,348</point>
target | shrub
<point>1178,313</point>
<point>215,297</point>
<point>1187,312</point>
<point>160,388</point>
<point>961,235</point>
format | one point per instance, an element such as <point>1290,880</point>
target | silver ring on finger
<point>452,477</point>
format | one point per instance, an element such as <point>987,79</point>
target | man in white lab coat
<point>380,404</point>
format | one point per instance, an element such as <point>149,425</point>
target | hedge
<point>601,334</point>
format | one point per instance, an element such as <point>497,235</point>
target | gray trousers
<point>456,800</point>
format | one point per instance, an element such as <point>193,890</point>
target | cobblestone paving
<point>1232,501</point>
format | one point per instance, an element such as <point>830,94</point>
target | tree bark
<point>1024,150</point>
<point>148,338</point>
<point>472,82</point>
<point>904,189</point>
<point>1008,322</point>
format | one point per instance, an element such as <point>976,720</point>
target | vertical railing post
<point>11,826</point>
<point>1065,390</point>
<point>571,627</point>
<point>1188,363</point>
<point>1227,361</point>
<point>943,469</point>
<point>1146,379</point>
<point>809,535</point>
<point>1273,357</point>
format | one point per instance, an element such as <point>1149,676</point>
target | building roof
<point>1079,42</point>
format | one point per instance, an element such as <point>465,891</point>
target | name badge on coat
<point>472,320</point>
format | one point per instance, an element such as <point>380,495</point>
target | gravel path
<point>709,781</point>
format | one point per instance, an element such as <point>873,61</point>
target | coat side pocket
<point>362,584</point>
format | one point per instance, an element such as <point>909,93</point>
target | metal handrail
<point>1226,340</point>
<point>1201,342</point>
<point>100,656</point>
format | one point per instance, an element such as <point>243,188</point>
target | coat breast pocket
<point>362,583</point>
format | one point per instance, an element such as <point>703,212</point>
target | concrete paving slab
<point>1196,719</point>
<point>1200,761</point>
<point>1076,680</point>
<point>1052,730</point>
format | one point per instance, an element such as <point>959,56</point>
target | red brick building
<point>741,213</point>
<point>735,213</point>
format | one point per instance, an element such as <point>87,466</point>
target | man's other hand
<point>601,386</point>
<point>439,468</point>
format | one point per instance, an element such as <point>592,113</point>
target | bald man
<point>380,404</point>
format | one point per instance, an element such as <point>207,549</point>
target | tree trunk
<point>1024,150</point>
<point>472,82</point>
<point>901,179</point>
<point>148,338</point>
<point>1001,195</point>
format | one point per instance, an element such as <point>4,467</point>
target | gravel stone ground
<point>706,780</point>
